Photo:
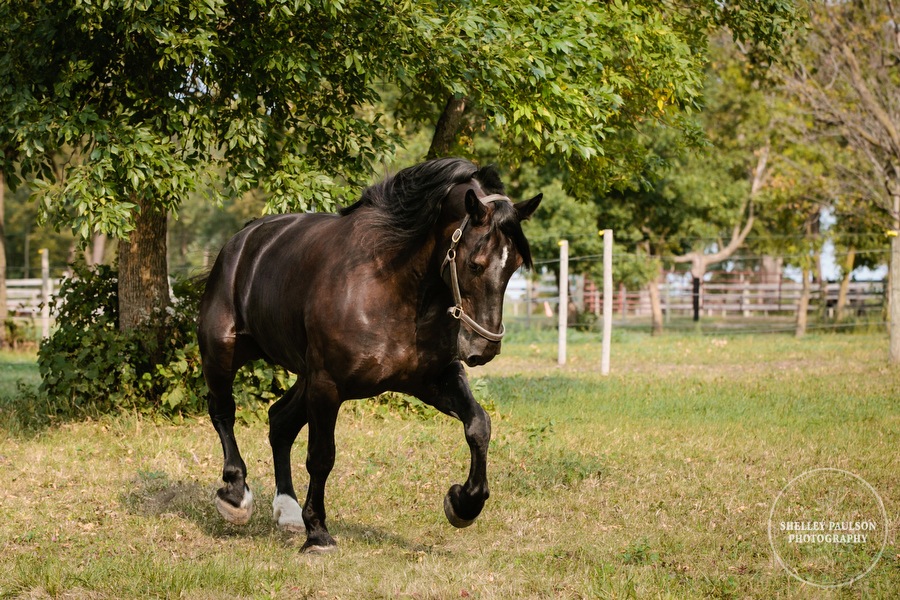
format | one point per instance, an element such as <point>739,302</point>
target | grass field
<point>654,482</point>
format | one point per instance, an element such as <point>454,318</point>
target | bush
<point>88,367</point>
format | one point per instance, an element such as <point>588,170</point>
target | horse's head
<point>485,250</point>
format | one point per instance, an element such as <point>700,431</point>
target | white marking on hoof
<point>319,549</point>
<point>239,515</point>
<point>288,514</point>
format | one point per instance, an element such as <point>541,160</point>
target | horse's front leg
<point>323,405</point>
<point>453,396</point>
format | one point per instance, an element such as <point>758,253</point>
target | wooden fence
<point>28,304</point>
<point>24,297</point>
<point>746,299</point>
<point>716,299</point>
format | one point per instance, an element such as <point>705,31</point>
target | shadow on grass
<point>154,495</point>
<point>528,469</point>
<point>377,537</point>
<point>27,412</point>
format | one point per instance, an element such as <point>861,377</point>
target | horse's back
<point>257,272</point>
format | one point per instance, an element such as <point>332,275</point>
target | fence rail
<point>28,309</point>
<point>24,297</point>
<point>719,299</point>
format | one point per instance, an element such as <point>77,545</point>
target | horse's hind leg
<point>234,501</point>
<point>286,418</point>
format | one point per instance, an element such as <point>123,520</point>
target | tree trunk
<point>2,264</point>
<point>844,291</point>
<point>656,313</point>
<point>803,305</point>
<point>446,132</point>
<point>822,309</point>
<point>700,261</point>
<point>695,296</point>
<point>143,272</point>
<point>95,255</point>
<point>894,300</point>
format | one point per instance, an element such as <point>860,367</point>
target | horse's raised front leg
<point>323,404</point>
<point>286,418</point>
<point>452,396</point>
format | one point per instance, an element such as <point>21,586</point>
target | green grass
<point>654,482</point>
<point>16,367</point>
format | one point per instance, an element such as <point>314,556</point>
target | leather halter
<point>457,311</point>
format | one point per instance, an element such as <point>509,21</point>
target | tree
<point>845,73</point>
<point>569,83</point>
<point>700,259</point>
<point>2,261</point>
<point>149,100</point>
<point>858,241</point>
<point>697,207</point>
<point>790,222</point>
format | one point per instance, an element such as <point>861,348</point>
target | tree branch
<point>697,258</point>
<point>446,131</point>
<point>869,100</point>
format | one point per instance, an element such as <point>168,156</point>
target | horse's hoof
<point>318,549</point>
<point>288,514</point>
<point>321,543</point>
<point>454,519</point>
<point>236,515</point>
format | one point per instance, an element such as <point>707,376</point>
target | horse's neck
<point>414,270</point>
<point>434,291</point>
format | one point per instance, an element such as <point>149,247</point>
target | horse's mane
<point>408,204</point>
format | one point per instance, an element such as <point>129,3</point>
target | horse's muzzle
<point>478,353</point>
<point>476,360</point>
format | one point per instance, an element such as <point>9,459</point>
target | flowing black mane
<point>408,204</point>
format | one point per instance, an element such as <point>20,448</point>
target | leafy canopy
<point>150,99</point>
<point>108,102</point>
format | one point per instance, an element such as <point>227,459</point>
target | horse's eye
<point>475,268</point>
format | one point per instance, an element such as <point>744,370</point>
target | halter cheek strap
<point>457,311</point>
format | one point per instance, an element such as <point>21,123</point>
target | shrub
<point>89,367</point>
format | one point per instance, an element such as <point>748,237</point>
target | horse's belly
<point>384,367</point>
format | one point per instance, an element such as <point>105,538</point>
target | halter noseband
<point>457,311</point>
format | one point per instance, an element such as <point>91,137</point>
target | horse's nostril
<point>476,360</point>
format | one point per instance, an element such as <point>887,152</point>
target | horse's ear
<point>477,211</point>
<point>527,207</point>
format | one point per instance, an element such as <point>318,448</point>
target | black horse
<point>391,294</point>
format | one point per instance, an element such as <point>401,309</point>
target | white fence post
<point>46,293</point>
<point>607,299</point>
<point>563,298</point>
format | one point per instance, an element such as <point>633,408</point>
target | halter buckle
<point>455,312</point>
